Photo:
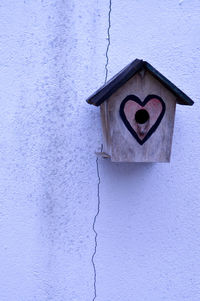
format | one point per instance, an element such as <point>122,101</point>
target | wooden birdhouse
<point>137,112</point>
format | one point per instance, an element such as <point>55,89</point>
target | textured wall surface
<point>144,243</point>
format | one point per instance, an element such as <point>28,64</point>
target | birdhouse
<point>137,111</point>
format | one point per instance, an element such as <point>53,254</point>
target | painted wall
<point>53,55</point>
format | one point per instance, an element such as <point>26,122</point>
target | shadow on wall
<point>126,180</point>
<point>126,169</point>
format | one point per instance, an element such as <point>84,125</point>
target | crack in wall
<point>95,218</point>
<point>108,38</point>
<point>97,159</point>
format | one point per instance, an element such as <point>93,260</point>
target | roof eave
<point>182,98</point>
<point>115,83</point>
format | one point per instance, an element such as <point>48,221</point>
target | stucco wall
<point>53,55</point>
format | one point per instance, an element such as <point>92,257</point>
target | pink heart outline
<point>136,99</point>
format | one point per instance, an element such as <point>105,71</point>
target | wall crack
<point>97,159</point>
<point>94,223</point>
<point>108,38</point>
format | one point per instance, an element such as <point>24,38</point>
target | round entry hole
<point>141,116</point>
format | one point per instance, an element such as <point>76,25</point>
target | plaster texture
<point>53,54</point>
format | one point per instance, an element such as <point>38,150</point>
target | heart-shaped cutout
<point>142,118</point>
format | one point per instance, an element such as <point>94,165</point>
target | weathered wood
<point>105,127</point>
<point>119,143</point>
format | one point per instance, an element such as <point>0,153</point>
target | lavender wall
<point>53,55</point>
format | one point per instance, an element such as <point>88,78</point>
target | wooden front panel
<point>146,137</point>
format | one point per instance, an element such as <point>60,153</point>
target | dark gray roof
<point>125,74</point>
